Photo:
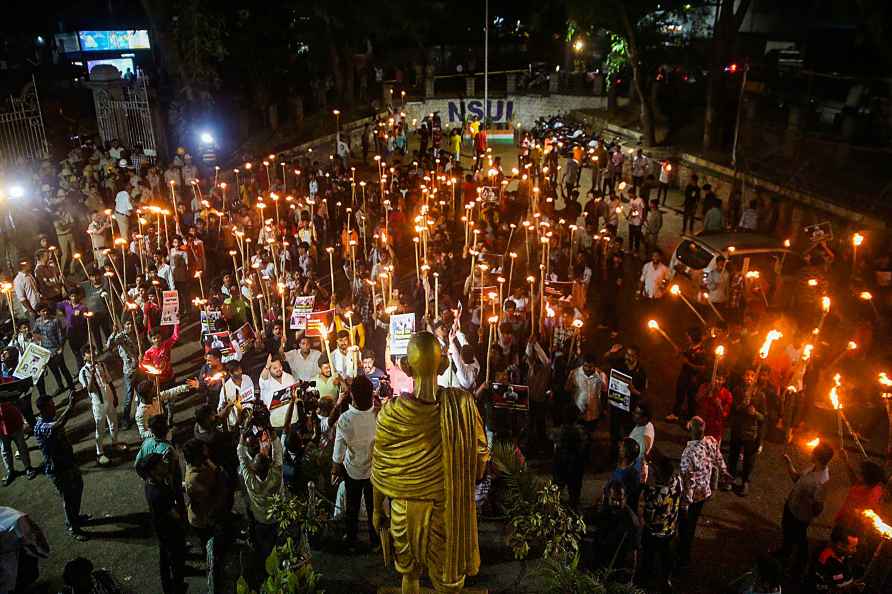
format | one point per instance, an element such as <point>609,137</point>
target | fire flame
<point>769,339</point>
<point>720,351</point>
<point>834,393</point>
<point>675,290</point>
<point>652,324</point>
<point>806,351</point>
<point>883,528</point>
<point>825,304</point>
<point>151,369</point>
<point>813,443</point>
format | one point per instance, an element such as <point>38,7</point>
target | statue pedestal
<point>398,590</point>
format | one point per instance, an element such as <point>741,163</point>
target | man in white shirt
<point>718,282</point>
<point>442,333</point>
<point>123,210</point>
<point>636,220</point>
<point>236,387</point>
<point>25,287</point>
<point>586,383</point>
<point>461,357</point>
<point>352,456</point>
<point>304,361</point>
<point>344,358</point>
<point>272,379</point>
<point>654,276</point>
<point>96,230</point>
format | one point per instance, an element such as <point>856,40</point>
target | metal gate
<point>124,113</point>
<point>22,136</point>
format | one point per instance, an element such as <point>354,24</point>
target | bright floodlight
<point>207,138</point>
<point>16,191</point>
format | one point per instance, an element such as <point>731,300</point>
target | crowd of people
<point>289,271</point>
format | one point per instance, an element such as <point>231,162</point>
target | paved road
<point>733,530</point>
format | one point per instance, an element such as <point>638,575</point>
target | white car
<point>695,255</point>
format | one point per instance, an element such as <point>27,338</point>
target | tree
<point>188,37</point>
<point>641,25</point>
<point>724,38</point>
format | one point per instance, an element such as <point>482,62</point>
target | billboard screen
<point>102,41</point>
<point>122,64</point>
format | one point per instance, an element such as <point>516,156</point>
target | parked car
<point>695,255</point>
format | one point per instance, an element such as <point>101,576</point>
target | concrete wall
<point>522,110</point>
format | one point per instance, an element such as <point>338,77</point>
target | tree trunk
<point>166,47</point>
<point>349,77</point>
<point>724,35</point>
<point>649,137</point>
<point>711,121</point>
<point>335,60</point>
<point>648,130</point>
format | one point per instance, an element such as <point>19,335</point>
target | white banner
<point>32,362</point>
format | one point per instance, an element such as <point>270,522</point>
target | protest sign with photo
<point>317,320</point>
<point>243,337</point>
<point>170,308</point>
<point>619,393</point>
<point>283,396</point>
<point>303,307</point>
<point>32,362</point>
<point>510,396</point>
<point>223,342</point>
<point>489,194</point>
<point>402,326</point>
<point>209,320</point>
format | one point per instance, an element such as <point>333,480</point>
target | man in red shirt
<point>12,426</point>
<point>158,355</point>
<point>468,190</point>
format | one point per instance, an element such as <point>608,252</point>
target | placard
<point>562,290</point>
<point>303,307</point>
<point>510,396</point>
<point>619,393</point>
<point>243,337</point>
<point>209,318</point>
<point>283,396</point>
<point>246,397</point>
<point>223,342</point>
<point>32,362</point>
<point>170,308</point>
<point>318,320</point>
<point>489,194</point>
<point>402,326</point>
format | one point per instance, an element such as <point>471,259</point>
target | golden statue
<point>429,452</point>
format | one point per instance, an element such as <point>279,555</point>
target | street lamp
<point>578,45</point>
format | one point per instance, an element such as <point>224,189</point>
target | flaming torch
<point>652,325</point>
<point>675,290</point>
<point>772,336</point>
<point>885,531</point>
<point>825,309</point>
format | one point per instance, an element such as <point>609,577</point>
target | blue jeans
<point>127,380</point>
